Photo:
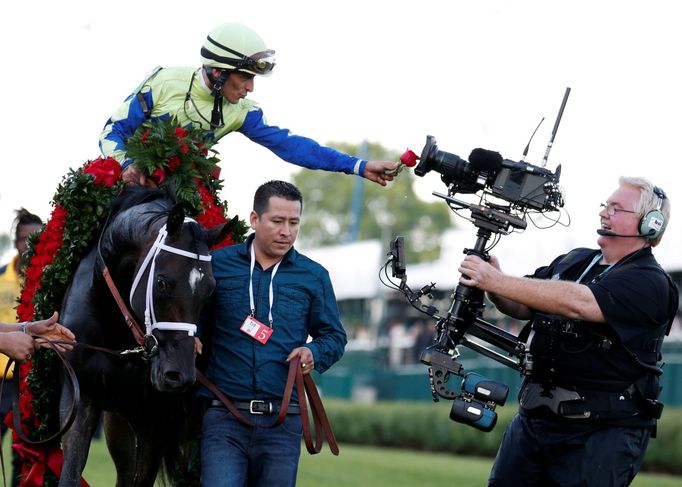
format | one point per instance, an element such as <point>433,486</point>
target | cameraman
<point>597,322</point>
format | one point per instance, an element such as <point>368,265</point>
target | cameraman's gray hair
<point>648,201</point>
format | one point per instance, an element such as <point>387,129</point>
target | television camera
<point>507,190</point>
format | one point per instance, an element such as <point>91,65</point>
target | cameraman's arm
<point>510,308</point>
<point>568,299</point>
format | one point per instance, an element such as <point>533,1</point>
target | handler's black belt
<point>258,406</point>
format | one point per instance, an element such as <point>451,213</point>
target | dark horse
<point>159,263</point>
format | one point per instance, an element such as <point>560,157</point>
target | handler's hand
<point>306,356</point>
<point>17,345</point>
<point>51,330</point>
<point>478,273</point>
<point>377,171</point>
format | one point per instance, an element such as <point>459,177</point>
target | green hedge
<point>427,426</point>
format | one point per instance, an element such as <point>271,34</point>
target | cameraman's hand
<point>478,273</point>
<point>493,261</point>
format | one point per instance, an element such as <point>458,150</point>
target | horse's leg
<point>148,459</point>
<point>121,444</point>
<point>136,457</point>
<point>76,440</point>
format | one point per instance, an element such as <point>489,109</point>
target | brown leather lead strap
<point>306,388</point>
<point>288,389</point>
<point>223,398</point>
<point>75,398</point>
<point>322,424</point>
<point>130,321</point>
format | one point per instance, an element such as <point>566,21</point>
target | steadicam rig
<point>475,403</point>
<point>508,190</point>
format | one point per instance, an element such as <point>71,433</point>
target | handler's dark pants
<point>236,455</point>
<point>544,453</point>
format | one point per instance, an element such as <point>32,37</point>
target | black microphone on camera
<point>608,233</point>
<point>485,160</point>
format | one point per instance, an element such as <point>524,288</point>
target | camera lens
<point>451,167</point>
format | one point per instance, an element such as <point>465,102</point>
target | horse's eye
<point>162,284</point>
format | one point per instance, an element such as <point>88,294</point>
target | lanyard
<point>270,291</point>
<point>594,261</point>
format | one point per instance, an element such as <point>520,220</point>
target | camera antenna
<point>556,126</point>
<point>525,151</point>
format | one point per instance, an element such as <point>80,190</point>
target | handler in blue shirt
<point>268,300</point>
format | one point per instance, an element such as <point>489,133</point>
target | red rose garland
<point>84,194</point>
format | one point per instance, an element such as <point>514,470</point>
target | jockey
<point>213,97</point>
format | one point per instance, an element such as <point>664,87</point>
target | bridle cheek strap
<point>150,261</point>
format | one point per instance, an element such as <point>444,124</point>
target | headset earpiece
<point>652,223</point>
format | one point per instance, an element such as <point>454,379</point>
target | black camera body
<point>523,185</point>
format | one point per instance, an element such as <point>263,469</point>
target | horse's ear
<point>218,233</point>
<point>176,217</point>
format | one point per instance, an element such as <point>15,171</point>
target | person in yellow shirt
<point>25,224</point>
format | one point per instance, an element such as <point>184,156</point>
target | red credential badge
<point>256,330</point>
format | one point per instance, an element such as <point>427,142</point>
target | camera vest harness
<point>598,400</point>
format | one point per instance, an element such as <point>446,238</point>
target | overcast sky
<point>472,74</point>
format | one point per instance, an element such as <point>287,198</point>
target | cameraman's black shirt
<point>633,296</point>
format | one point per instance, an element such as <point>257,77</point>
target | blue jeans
<point>543,453</point>
<point>236,455</point>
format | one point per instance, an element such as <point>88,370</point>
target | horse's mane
<point>135,195</point>
<point>149,206</point>
<point>135,212</point>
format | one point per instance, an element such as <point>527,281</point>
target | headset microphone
<point>607,233</point>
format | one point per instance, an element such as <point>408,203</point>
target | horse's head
<point>173,280</point>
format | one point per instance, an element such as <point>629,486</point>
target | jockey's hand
<point>380,171</point>
<point>132,175</point>
<point>198,346</point>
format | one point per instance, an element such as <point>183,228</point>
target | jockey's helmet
<point>235,47</point>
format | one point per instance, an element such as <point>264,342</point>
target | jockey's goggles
<point>260,63</point>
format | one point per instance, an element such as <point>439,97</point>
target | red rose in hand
<point>409,158</point>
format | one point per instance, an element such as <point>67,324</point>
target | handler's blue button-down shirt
<point>303,304</point>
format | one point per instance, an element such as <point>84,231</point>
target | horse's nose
<point>175,380</point>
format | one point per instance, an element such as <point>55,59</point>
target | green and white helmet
<point>234,46</point>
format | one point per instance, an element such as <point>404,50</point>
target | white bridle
<point>149,314</point>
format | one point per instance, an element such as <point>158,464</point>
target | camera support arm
<point>485,217</point>
<point>463,319</point>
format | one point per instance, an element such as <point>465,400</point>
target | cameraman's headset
<point>653,222</point>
